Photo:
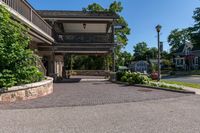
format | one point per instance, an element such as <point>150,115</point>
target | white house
<point>139,66</point>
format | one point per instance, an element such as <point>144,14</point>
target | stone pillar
<point>113,61</point>
<point>58,65</point>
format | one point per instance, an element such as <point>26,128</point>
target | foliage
<point>140,51</point>
<point>166,55</point>
<point>167,63</point>
<point>17,62</point>
<point>143,52</point>
<point>83,62</point>
<point>153,68</point>
<point>165,86</point>
<point>119,75</point>
<point>124,59</point>
<point>135,78</point>
<point>152,53</point>
<point>193,85</point>
<point>196,27</point>
<point>179,37</point>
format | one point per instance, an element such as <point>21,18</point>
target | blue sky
<point>142,16</point>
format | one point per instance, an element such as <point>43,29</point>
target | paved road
<point>118,109</point>
<point>174,115</point>
<point>189,79</point>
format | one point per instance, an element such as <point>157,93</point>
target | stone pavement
<point>92,93</point>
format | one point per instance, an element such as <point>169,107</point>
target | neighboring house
<point>56,33</point>
<point>139,66</point>
<point>187,57</point>
<point>155,62</point>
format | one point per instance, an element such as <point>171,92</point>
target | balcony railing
<point>25,9</point>
<point>83,38</point>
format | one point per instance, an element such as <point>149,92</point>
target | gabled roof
<point>141,61</point>
<point>76,14</point>
<point>180,49</point>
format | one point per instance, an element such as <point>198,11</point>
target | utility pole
<point>158,29</point>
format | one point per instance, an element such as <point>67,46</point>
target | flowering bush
<point>135,78</point>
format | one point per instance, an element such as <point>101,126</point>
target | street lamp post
<point>158,29</point>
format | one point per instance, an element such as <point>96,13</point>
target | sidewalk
<point>197,91</point>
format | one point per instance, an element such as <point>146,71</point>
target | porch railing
<point>27,11</point>
<point>83,38</point>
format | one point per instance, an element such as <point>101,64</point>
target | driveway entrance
<point>92,93</point>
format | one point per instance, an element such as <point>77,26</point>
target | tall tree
<point>179,37</point>
<point>140,51</point>
<point>196,28</point>
<point>152,53</point>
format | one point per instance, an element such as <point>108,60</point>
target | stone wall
<point>29,91</point>
<point>91,72</point>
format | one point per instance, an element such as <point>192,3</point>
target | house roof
<point>196,47</point>
<point>141,61</point>
<point>76,14</point>
<point>180,49</point>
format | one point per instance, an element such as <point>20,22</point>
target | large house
<point>55,33</point>
<point>187,57</point>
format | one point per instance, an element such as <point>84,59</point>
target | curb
<point>157,88</point>
<point>165,89</point>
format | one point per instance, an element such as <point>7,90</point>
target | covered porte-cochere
<point>77,32</point>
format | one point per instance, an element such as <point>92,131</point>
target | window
<point>196,60</point>
<point>179,61</point>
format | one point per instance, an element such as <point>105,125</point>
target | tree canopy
<point>196,27</point>
<point>143,52</point>
<point>140,51</point>
<point>179,37</point>
<point>124,59</point>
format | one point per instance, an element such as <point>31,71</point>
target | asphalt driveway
<point>92,93</point>
<point>188,79</point>
<point>103,107</point>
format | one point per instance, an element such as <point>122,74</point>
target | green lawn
<point>193,85</point>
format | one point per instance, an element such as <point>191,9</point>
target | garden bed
<point>28,91</point>
<point>154,87</point>
<point>141,80</point>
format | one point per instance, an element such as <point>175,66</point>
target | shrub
<point>17,62</point>
<point>119,75</point>
<point>163,85</point>
<point>135,78</point>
